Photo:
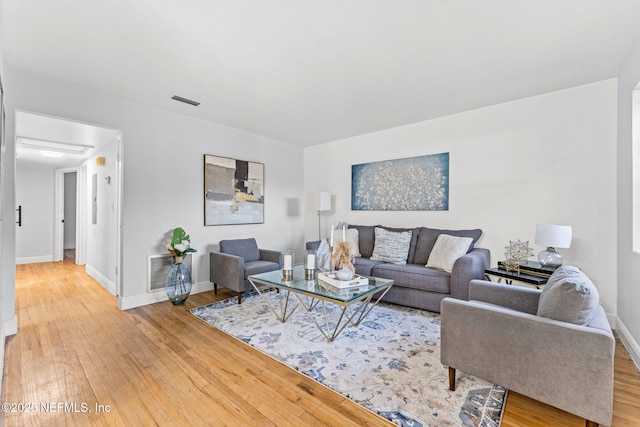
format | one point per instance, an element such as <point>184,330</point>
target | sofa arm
<point>515,297</point>
<point>273,256</point>
<point>562,364</point>
<point>226,270</point>
<point>315,244</point>
<point>465,269</point>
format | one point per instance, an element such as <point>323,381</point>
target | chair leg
<point>452,378</point>
<point>239,298</point>
<point>215,289</point>
<point>591,424</point>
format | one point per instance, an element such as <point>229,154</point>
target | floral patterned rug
<point>389,364</point>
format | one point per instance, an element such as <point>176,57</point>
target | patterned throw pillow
<point>391,246</point>
<point>323,256</point>
<point>447,250</point>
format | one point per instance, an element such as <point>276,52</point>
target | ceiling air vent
<point>185,100</point>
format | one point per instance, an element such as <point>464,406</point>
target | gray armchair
<point>237,260</point>
<point>498,335</point>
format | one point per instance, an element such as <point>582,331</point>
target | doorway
<point>70,153</point>
<point>69,233</point>
<point>69,198</point>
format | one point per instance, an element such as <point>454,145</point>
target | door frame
<point>58,218</point>
<point>118,209</point>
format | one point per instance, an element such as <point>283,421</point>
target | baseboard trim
<point>629,342</point>
<point>10,327</point>
<point>34,259</point>
<point>98,277</point>
<point>2,343</point>
<point>612,320</point>
<point>126,303</point>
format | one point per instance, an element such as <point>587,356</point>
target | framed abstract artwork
<point>233,191</point>
<point>411,184</point>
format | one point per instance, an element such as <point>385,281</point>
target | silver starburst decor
<point>516,253</point>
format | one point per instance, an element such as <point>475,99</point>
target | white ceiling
<point>34,129</point>
<point>312,71</point>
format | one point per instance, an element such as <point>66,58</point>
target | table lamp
<point>552,236</point>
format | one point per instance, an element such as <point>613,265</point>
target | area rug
<point>389,364</point>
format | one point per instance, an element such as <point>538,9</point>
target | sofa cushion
<point>447,250</point>
<point>351,237</point>
<point>244,248</point>
<point>257,267</point>
<point>364,266</point>
<point>569,296</point>
<point>428,236</point>
<point>391,246</point>
<point>366,239</point>
<point>414,276</point>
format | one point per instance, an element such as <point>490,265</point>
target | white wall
<point>545,159</point>
<point>34,192</point>
<point>102,237</point>
<point>8,322</point>
<point>628,264</point>
<point>163,174</point>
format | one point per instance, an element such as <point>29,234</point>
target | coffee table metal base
<point>357,310</point>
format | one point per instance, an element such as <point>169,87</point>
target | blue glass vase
<point>178,285</point>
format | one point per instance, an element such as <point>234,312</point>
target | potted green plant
<point>178,284</point>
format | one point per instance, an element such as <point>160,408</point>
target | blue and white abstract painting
<point>411,184</point>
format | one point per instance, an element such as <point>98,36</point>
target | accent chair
<point>554,345</point>
<point>237,260</point>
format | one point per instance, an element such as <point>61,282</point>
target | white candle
<point>311,261</point>
<point>288,262</point>
<point>331,244</point>
<point>344,232</point>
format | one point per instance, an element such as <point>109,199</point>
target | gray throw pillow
<point>569,296</point>
<point>391,246</point>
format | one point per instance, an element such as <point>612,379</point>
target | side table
<point>510,276</point>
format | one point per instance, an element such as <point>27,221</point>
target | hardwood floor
<point>159,365</point>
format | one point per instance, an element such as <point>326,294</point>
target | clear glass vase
<point>178,285</point>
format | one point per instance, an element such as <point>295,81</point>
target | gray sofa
<point>414,284</point>
<point>503,335</point>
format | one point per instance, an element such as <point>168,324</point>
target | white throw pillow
<point>391,246</point>
<point>352,237</point>
<point>447,250</point>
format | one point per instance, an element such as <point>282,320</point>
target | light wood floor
<point>159,365</point>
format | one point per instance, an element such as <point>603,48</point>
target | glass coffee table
<point>355,302</point>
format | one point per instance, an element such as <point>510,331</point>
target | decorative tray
<point>333,280</point>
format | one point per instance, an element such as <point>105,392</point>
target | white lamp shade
<point>320,201</point>
<point>555,236</point>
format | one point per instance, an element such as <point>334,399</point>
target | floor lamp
<point>320,201</point>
